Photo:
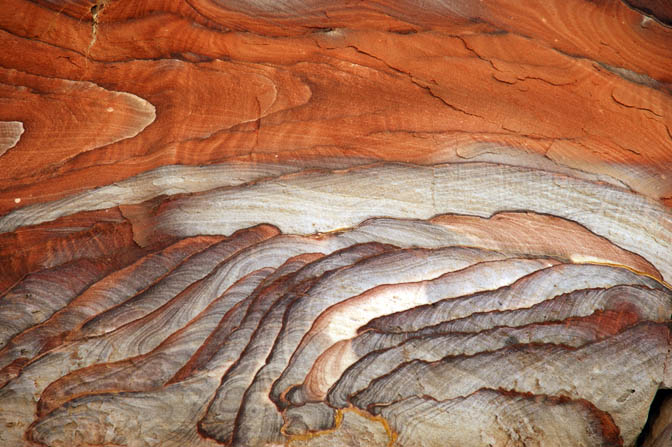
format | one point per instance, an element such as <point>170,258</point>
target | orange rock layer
<point>584,84</point>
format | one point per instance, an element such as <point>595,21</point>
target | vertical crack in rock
<point>96,11</point>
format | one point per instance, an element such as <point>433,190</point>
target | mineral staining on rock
<point>258,223</point>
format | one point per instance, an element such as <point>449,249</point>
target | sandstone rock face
<point>326,223</point>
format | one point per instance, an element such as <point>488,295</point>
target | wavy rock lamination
<point>261,337</point>
<point>292,223</point>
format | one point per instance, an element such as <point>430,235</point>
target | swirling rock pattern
<point>327,223</point>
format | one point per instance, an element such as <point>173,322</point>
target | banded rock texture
<point>334,223</point>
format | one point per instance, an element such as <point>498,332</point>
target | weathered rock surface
<point>335,223</point>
